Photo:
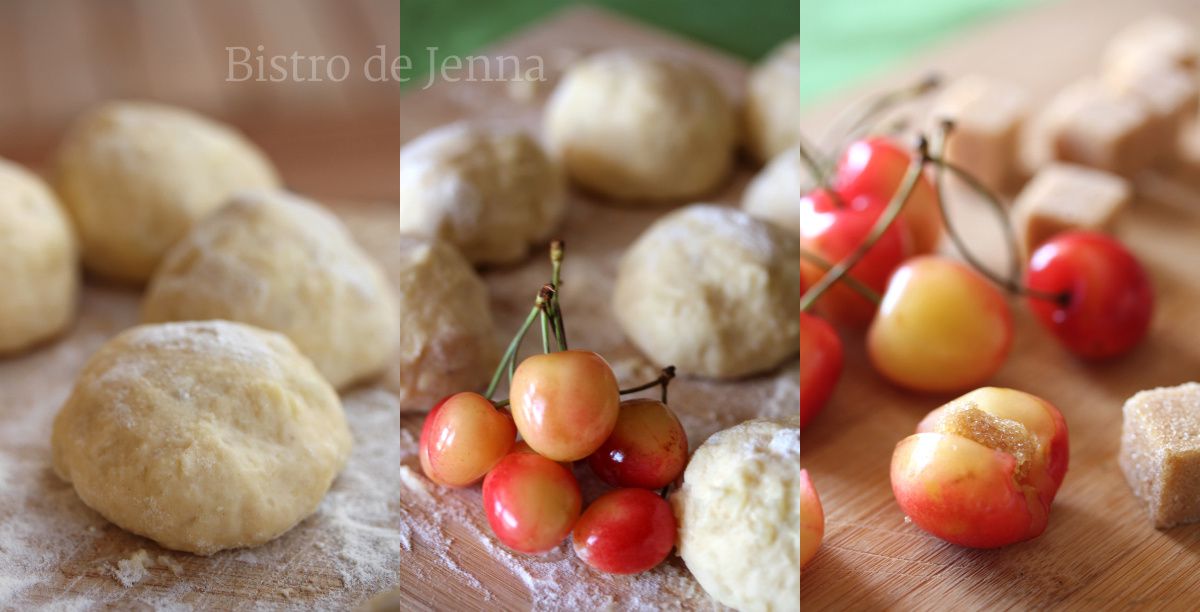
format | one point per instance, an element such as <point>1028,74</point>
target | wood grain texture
<point>1100,551</point>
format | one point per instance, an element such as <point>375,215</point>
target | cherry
<point>1108,301</point>
<point>565,404</point>
<point>625,531</point>
<point>870,172</point>
<point>941,327</point>
<point>531,502</point>
<point>812,520</point>
<point>462,438</point>
<point>833,234</point>
<point>647,449</point>
<point>820,365</point>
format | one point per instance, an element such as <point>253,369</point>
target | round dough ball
<point>201,436</point>
<point>38,261</point>
<point>712,291</point>
<point>773,102</point>
<point>135,176</point>
<point>637,127</point>
<point>739,516</point>
<point>447,338</point>
<point>774,194</point>
<point>491,192</point>
<point>283,263</point>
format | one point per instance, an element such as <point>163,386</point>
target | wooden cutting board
<point>1100,550</point>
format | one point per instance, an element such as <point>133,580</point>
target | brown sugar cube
<point>1157,38</point>
<point>1097,127</point>
<point>1065,197</point>
<point>1160,452</point>
<point>1168,93</point>
<point>987,116</point>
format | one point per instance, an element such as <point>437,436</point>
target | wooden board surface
<point>1100,550</point>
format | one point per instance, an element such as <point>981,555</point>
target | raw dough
<point>135,176</point>
<point>283,263</point>
<point>713,291</point>
<point>491,192</point>
<point>739,516</point>
<point>39,266</point>
<point>201,436</point>
<point>447,339</point>
<point>637,127</point>
<point>773,102</point>
<point>774,194</point>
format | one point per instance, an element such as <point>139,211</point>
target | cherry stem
<point>545,330</point>
<point>1012,284</point>
<point>849,279</point>
<point>847,126</point>
<point>510,353</point>
<point>882,224</point>
<point>663,379</point>
<point>556,315</point>
<point>819,172</point>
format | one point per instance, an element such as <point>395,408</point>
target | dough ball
<point>201,436</point>
<point>713,291</point>
<point>447,338</point>
<point>739,516</point>
<point>773,102</point>
<point>38,263</point>
<point>638,127</point>
<point>490,192</point>
<point>283,263</point>
<point>135,176</point>
<point>774,194</point>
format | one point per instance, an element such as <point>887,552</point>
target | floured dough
<point>491,192</point>
<point>447,339</point>
<point>201,436</point>
<point>772,113</point>
<point>637,127</point>
<point>136,175</point>
<point>39,268</point>
<point>739,516</point>
<point>712,291</point>
<point>774,194</point>
<point>284,263</point>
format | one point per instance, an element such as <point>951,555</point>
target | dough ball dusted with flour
<point>491,192</point>
<point>38,262</point>
<point>201,436</point>
<point>447,338</point>
<point>638,127</point>
<point>281,262</point>
<point>772,112</point>
<point>774,194</point>
<point>713,291</point>
<point>135,176</point>
<point>739,516</point>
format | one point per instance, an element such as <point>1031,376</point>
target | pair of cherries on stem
<point>566,406</point>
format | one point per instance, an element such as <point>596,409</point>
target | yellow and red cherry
<point>565,404</point>
<point>625,531</point>
<point>870,172</point>
<point>648,447</point>
<point>462,438</point>
<point>833,234</point>
<point>531,502</point>
<point>812,520</point>
<point>820,365</point>
<point>1107,301</point>
<point>941,327</point>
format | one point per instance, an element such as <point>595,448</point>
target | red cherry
<point>870,172</point>
<point>531,502</point>
<point>648,448</point>
<point>462,438</point>
<point>820,365</point>
<point>625,531</point>
<point>833,234</point>
<point>1109,299</point>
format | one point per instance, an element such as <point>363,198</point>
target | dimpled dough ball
<point>201,436</point>
<point>38,266</point>
<point>490,192</point>
<point>636,127</point>
<point>739,516</point>
<point>772,112</point>
<point>713,291</point>
<point>280,262</point>
<point>774,194</point>
<point>447,339</point>
<point>135,176</point>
